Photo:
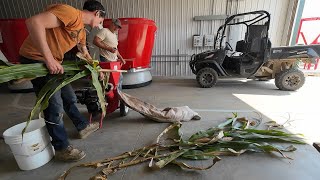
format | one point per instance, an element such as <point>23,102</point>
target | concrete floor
<point>214,105</point>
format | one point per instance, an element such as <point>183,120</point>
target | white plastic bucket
<point>35,149</point>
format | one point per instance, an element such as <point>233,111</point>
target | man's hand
<point>101,76</point>
<point>87,56</point>
<point>83,49</point>
<point>123,62</point>
<point>113,50</point>
<point>54,66</point>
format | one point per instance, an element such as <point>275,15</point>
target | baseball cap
<point>117,22</point>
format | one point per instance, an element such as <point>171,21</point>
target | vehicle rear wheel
<point>124,110</point>
<point>290,79</point>
<point>207,77</point>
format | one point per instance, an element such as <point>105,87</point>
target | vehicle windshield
<point>240,23</point>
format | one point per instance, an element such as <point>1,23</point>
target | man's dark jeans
<point>64,99</point>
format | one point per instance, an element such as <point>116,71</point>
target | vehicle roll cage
<point>261,15</point>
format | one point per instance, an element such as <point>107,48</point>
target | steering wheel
<point>228,47</point>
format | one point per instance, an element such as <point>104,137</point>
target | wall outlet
<point>197,41</point>
<point>209,40</point>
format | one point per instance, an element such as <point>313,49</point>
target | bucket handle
<point>49,144</point>
<point>40,117</point>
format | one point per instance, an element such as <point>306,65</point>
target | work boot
<point>88,130</point>
<point>70,154</point>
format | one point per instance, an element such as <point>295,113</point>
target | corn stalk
<point>72,72</point>
<point>233,137</point>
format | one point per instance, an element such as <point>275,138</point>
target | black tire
<point>207,77</point>
<point>290,79</point>
<point>124,110</point>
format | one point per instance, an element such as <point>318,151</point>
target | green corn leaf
<point>170,135</point>
<point>225,152</point>
<point>266,146</point>
<point>235,114</point>
<point>43,92</point>
<point>20,71</point>
<point>209,140</point>
<point>2,66</point>
<point>240,123</point>
<point>253,137</point>
<point>75,70</point>
<point>271,132</point>
<point>51,87</point>
<point>164,139</point>
<point>202,134</point>
<point>65,82</point>
<point>277,139</point>
<point>171,157</point>
<point>236,145</point>
<point>45,89</point>
<point>186,166</point>
<point>98,87</point>
<point>197,155</point>
<point>290,148</point>
<point>226,123</point>
<point>248,145</point>
<point>270,148</point>
<point>172,131</point>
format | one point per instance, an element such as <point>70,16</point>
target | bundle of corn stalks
<point>231,138</point>
<point>73,70</point>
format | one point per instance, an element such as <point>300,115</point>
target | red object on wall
<point>13,33</point>
<point>315,40</point>
<point>136,40</point>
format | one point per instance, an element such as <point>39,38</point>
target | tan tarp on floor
<point>169,114</point>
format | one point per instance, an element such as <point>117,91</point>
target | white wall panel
<point>174,19</point>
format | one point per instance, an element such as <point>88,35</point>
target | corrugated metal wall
<point>174,18</point>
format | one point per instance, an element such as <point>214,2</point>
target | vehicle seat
<point>241,46</point>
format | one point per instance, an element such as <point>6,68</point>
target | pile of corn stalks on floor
<point>231,138</point>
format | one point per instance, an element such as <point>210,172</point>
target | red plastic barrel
<point>136,40</point>
<point>13,33</point>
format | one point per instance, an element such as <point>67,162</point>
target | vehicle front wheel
<point>207,77</point>
<point>290,79</point>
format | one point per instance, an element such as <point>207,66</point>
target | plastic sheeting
<point>169,114</point>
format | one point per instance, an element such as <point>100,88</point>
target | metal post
<point>297,22</point>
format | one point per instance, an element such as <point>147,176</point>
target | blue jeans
<point>103,59</point>
<point>63,100</point>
